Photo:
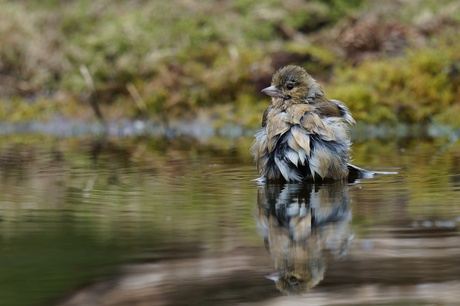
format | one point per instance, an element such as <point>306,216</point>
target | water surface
<point>149,221</point>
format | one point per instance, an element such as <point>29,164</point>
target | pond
<point>180,221</point>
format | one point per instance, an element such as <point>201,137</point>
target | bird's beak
<point>274,276</point>
<point>272,91</point>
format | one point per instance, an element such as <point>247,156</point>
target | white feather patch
<point>302,138</point>
<point>293,157</point>
<point>302,156</point>
<point>320,161</point>
<point>286,172</point>
<point>292,143</point>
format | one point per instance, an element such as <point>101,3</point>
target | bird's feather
<point>301,138</point>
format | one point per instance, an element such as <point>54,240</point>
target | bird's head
<point>294,85</point>
<point>292,283</point>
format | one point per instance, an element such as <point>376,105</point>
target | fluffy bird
<point>304,135</point>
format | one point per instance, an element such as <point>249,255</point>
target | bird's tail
<point>355,173</point>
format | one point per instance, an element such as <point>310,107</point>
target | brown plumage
<point>304,135</point>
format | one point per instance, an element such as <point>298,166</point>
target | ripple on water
<point>187,215</point>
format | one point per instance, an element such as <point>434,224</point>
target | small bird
<point>304,135</point>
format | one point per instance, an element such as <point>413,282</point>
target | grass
<point>157,59</point>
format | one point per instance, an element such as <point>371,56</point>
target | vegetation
<point>390,62</point>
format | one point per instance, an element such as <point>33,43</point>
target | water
<point>148,221</point>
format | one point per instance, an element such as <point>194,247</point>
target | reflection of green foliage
<point>69,205</point>
<point>426,187</point>
<point>70,208</point>
<point>101,179</point>
<point>432,188</point>
<point>44,263</point>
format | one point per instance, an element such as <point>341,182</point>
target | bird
<point>304,135</point>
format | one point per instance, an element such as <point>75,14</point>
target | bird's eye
<point>293,279</point>
<point>290,86</point>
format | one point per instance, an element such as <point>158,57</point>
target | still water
<point>145,221</point>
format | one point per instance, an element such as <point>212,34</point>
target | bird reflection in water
<point>304,226</point>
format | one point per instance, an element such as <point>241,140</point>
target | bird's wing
<point>264,116</point>
<point>344,111</point>
<point>302,140</point>
<point>277,127</point>
<point>314,125</point>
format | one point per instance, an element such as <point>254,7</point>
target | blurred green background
<point>389,61</point>
<point>72,209</point>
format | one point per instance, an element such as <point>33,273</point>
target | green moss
<point>182,58</point>
<point>17,110</point>
<point>410,89</point>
